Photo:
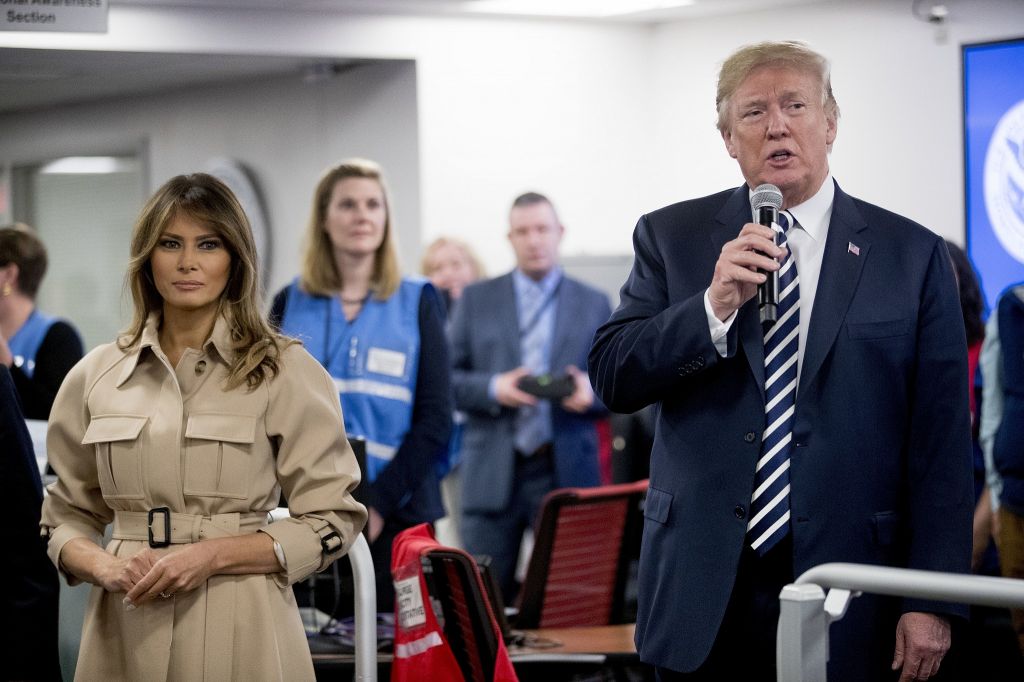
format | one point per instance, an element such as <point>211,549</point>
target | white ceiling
<point>32,79</point>
<point>699,8</point>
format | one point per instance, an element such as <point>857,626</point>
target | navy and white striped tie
<point>769,504</point>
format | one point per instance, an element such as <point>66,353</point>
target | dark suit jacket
<point>28,580</point>
<point>881,468</point>
<point>485,341</point>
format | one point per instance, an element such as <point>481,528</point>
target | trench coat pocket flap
<point>113,427</point>
<point>658,504</point>
<point>885,526</point>
<point>878,330</point>
<point>228,428</point>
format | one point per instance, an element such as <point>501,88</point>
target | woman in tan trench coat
<point>183,434</point>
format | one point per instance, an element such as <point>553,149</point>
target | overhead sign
<point>83,16</point>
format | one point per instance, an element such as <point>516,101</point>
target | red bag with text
<point>422,652</point>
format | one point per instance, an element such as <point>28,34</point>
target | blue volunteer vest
<point>25,344</point>
<point>373,360</point>
<point>1008,445</point>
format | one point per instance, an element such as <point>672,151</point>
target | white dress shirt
<point>806,242</point>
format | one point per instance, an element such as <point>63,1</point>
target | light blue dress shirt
<point>537,306</point>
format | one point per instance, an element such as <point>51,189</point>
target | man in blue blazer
<point>839,434</point>
<point>520,440</point>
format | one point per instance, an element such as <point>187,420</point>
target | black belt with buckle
<point>167,526</point>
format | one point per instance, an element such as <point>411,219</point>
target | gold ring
<point>166,595</point>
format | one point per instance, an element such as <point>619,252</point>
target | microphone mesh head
<point>766,195</point>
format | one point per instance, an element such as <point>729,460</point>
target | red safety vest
<point>422,651</point>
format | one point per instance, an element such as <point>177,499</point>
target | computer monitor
<point>493,593</point>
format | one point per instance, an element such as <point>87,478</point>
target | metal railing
<point>365,610</point>
<point>365,588</point>
<point>801,647</point>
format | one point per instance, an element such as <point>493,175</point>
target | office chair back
<point>585,539</point>
<point>453,582</point>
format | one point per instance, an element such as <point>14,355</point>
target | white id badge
<point>410,602</point>
<point>388,362</point>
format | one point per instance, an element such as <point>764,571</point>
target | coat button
<point>200,367</point>
<point>750,436</point>
<point>740,511</point>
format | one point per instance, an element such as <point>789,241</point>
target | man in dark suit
<point>29,580</point>
<point>841,434</point>
<point>519,442</point>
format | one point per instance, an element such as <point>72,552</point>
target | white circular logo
<point>1004,181</point>
<point>238,179</point>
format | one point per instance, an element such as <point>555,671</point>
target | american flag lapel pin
<point>853,248</point>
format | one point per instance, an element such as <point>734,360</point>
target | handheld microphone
<point>766,203</point>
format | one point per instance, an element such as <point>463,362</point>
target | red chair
<point>585,540</point>
<point>453,581</point>
<point>444,629</point>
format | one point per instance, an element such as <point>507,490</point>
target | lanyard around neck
<point>528,327</point>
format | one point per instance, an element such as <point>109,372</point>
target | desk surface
<point>590,644</point>
<point>605,639</point>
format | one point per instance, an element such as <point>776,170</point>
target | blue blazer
<point>881,468</point>
<point>485,341</point>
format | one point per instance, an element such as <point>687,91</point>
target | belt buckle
<point>167,526</point>
<point>330,542</point>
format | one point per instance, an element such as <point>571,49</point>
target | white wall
<point>286,131</point>
<point>615,119</point>
<point>900,140</point>
<point>556,108</point>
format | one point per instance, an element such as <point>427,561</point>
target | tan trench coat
<point>129,433</point>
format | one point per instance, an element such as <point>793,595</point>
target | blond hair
<point>786,54</point>
<point>320,274</point>
<point>426,266</point>
<point>208,201</point>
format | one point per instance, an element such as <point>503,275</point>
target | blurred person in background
<point>39,349</point>
<point>992,648</point>
<point>514,338</point>
<point>183,434</point>
<point>973,308</point>
<point>451,265</point>
<point>1002,432</point>
<point>382,339</point>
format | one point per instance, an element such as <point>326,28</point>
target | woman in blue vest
<point>381,337</point>
<point>39,349</point>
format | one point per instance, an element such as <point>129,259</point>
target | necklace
<point>352,301</point>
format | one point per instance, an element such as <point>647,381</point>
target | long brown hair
<point>320,274</point>
<point>209,202</point>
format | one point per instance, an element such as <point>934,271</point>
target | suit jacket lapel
<point>564,304</point>
<point>837,282</point>
<point>509,321</point>
<point>733,216</point>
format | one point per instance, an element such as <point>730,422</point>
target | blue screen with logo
<point>994,162</point>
